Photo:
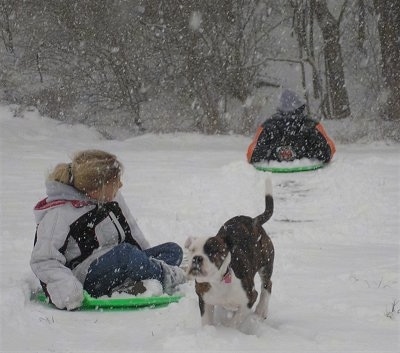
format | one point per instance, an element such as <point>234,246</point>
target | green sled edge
<point>295,169</point>
<point>117,303</point>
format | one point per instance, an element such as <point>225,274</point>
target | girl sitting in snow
<point>87,239</point>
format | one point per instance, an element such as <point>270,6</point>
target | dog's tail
<point>269,204</point>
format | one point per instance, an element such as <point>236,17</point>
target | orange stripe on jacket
<point>331,144</point>
<point>253,144</point>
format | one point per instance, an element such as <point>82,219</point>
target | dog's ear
<point>216,250</point>
<point>189,242</point>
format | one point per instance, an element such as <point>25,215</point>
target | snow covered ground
<point>336,233</point>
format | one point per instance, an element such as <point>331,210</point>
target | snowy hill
<point>336,233</point>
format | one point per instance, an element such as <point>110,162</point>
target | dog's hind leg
<point>266,288</point>
<point>262,306</point>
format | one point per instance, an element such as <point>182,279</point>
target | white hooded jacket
<point>54,216</point>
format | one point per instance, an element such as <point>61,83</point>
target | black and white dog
<point>224,266</point>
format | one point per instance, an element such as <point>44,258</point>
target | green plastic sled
<point>289,169</point>
<point>118,303</point>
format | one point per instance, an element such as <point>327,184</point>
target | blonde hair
<point>89,170</point>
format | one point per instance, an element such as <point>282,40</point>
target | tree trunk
<point>6,33</point>
<point>389,28</point>
<point>337,93</point>
<point>315,75</point>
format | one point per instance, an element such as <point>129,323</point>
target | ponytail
<point>62,173</point>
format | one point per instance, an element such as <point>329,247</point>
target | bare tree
<point>338,101</point>
<point>213,48</point>
<point>6,12</point>
<point>90,60</point>
<point>388,12</point>
<point>89,56</point>
<point>303,25</point>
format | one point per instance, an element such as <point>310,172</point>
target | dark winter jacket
<point>290,135</point>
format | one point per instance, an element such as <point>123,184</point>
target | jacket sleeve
<point>48,264</point>
<point>136,232</point>
<point>253,145</point>
<point>328,140</point>
<point>265,142</point>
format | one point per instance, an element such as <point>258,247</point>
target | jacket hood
<point>59,191</point>
<point>289,101</point>
<point>59,194</point>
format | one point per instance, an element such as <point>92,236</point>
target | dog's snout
<point>197,260</point>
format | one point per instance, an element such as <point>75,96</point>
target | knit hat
<point>289,101</point>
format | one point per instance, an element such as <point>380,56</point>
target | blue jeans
<point>128,261</point>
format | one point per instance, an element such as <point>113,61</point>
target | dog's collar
<point>227,277</point>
